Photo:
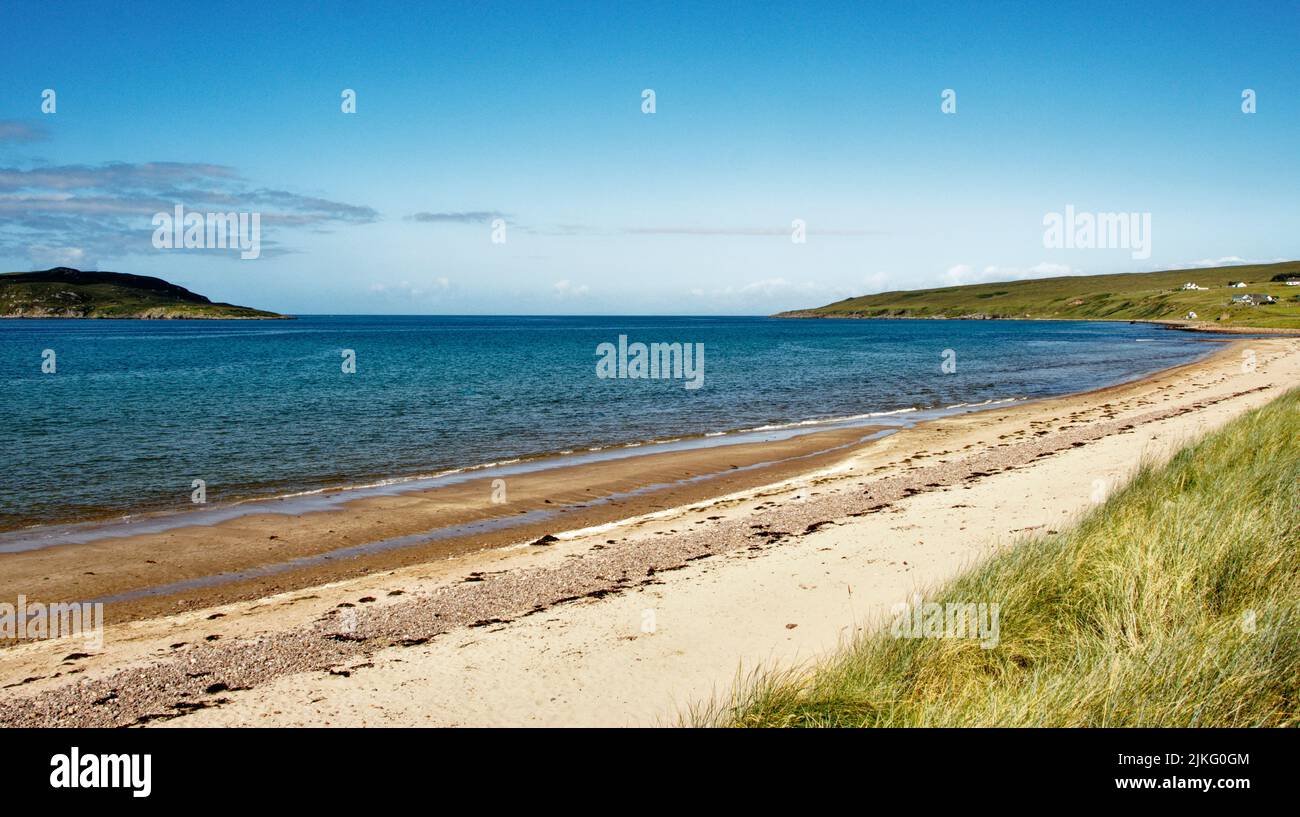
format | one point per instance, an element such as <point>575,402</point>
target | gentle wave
<point>265,412</point>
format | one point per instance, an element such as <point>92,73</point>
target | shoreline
<point>148,317</point>
<point>313,494</point>
<point>260,551</point>
<point>435,616</point>
<point>154,563</point>
<point>141,500</point>
<point>1195,326</point>
<point>1184,326</point>
<point>80,530</point>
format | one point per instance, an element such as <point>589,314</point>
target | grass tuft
<point>1175,603</point>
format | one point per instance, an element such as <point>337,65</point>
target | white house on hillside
<point>1254,299</point>
<point>1190,285</point>
<point>1237,284</point>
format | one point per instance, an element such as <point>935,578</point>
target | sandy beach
<point>270,548</point>
<point>638,609</point>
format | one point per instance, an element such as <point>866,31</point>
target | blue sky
<point>531,112</point>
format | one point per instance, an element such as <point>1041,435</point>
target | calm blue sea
<point>135,410</point>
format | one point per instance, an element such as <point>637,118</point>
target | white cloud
<point>774,286</point>
<point>877,281</point>
<point>407,290</point>
<point>567,289</point>
<point>58,256</point>
<point>960,274</point>
<point>770,295</point>
<point>764,288</point>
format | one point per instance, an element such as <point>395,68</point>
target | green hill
<point>63,292</point>
<point>1148,296</point>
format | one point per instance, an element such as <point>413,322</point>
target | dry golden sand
<point>556,635</point>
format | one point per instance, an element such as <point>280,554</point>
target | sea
<point>105,419</point>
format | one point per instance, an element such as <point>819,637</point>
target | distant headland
<point>63,292</point>
<point>1248,297</point>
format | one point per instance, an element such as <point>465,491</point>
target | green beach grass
<point>1148,296</point>
<point>1174,603</point>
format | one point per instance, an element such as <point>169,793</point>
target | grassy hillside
<point>1175,603</point>
<point>1129,296</point>
<point>68,293</point>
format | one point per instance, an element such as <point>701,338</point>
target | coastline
<point>1196,326</point>
<point>436,615</point>
<point>153,562</point>
<point>1185,326</point>
<point>479,426</point>
<point>148,317</point>
<point>309,498</point>
<point>259,550</point>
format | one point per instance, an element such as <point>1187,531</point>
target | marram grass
<point>1174,603</point>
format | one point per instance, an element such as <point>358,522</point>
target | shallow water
<point>137,410</point>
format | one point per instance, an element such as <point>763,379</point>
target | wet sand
<point>557,634</point>
<point>258,554</point>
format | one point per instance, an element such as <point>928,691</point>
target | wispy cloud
<point>59,256</point>
<point>744,231</point>
<point>567,289</point>
<point>406,290</point>
<point>118,176</point>
<point>770,294</point>
<point>466,217</point>
<point>13,130</point>
<point>106,210</point>
<point>577,229</point>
